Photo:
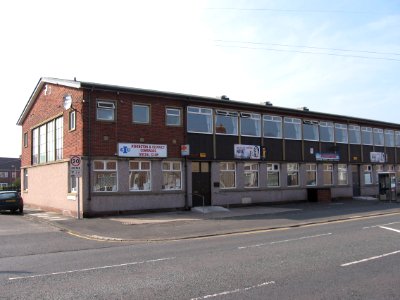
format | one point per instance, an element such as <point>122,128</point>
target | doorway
<point>355,172</point>
<point>201,183</point>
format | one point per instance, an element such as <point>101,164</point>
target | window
<point>292,174</point>
<point>292,128</point>
<point>378,137</point>
<point>377,169</point>
<point>139,176</point>
<point>311,174</point>
<point>389,138</point>
<point>199,120</point>
<point>73,184</point>
<point>25,178</point>
<point>397,138</point>
<point>141,113</point>
<point>310,130</point>
<point>172,175</point>
<point>14,174</point>
<point>341,133</point>
<point>35,146</point>
<point>250,124</point>
<point>226,122</point>
<point>227,175</point>
<point>354,134</point>
<point>50,141</point>
<point>342,174</point>
<point>42,144</point>
<point>25,139</point>
<point>272,126</point>
<point>3,174</point>
<point>2,184</point>
<point>72,120</point>
<point>273,175</point>
<point>250,175</point>
<point>366,135</point>
<point>105,175</point>
<point>367,170</point>
<point>328,174</point>
<point>390,168</point>
<point>326,131</point>
<point>398,175</point>
<point>59,138</point>
<point>173,117</point>
<point>105,111</point>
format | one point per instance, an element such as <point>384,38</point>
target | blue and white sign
<point>246,151</point>
<point>141,150</point>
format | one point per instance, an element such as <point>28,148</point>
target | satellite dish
<point>67,102</point>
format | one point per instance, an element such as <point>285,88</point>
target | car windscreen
<point>7,195</point>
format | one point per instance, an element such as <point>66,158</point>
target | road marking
<point>234,291</point>
<point>368,227</point>
<point>388,228</point>
<point>285,241</point>
<point>92,269</point>
<point>370,258</point>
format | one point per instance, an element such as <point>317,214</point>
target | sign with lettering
<point>327,156</point>
<point>141,150</point>
<point>185,150</point>
<point>379,157</point>
<point>246,151</point>
<point>75,166</point>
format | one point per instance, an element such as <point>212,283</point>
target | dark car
<point>11,201</point>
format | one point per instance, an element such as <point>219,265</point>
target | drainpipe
<point>185,165</point>
<point>89,163</point>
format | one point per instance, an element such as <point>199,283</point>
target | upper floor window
<point>105,111</point>
<point>310,130</point>
<point>366,136</point>
<point>378,137</point>
<point>389,138</point>
<point>226,122</point>
<point>397,138</point>
<point>72,120</point>
<point>250,124</point>
<point>25,139</point>
<point>326,132</point>
<point>341,133</point>
<point>292,128</point>
<point>141,113</point>
<point>173,117</point>
<point>354,134</point>
<point>272,126</point>
<point>199,120</point>
<point>3,174</point>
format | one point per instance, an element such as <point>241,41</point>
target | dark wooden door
<point>201,183</point>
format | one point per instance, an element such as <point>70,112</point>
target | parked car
<point>12,201</point>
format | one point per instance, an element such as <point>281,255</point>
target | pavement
<point>213,221</point>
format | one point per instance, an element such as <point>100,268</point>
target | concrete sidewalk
<point>195,224</point>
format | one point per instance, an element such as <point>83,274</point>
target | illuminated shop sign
<point>141,150</point>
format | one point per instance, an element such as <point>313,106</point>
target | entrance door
<point>201,183</point>
<point>355,170</point>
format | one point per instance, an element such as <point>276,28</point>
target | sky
<point>340,57</point>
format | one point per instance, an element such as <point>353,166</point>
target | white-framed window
<point>141,113</point>
<point>378,137</point>
<point>397,138</point>
<point>42,144</point>
<point>251,175</point>
<point>59,138</point>
<point>35,146</point>
<point>173,116</point>
<point>366,136</point>
<point>327,174</point>
<point>226,122</point>
<point>341,135</point>
<point>354,134</point>
<point>172,175</point>
<point>326,132</point>
<point>72,120</point>
<point>250,124</point>
<point>3,174</point>
<point>25,178</point>
<point>51,150</point>
<point>199,120</point>
<point>342,174</point>
<point>73,184</point>
<point>14,174</point>
<point>3,184</point>
<point>105,176</point>
<point>105,110</point>
<point>377,169</point>
<point>311,174</point>
<point>272,126</point>
<point>390,168</point>
<point>227,175</point>
<point>25,140</point>
<point>367,171</point>
<point>389,138</point>
<point>139,175</point>
<point>310,130</point>
<point>293,174</point>
<point>273,175</point>
<point>292,128</point>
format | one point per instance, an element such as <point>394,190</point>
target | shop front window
<point>139,176</point>
<point>172,175</point>
<point>227,175</point>
<point>105,176</point>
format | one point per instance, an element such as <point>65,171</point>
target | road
<point>356,259</point>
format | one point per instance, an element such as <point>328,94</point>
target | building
<point>9,172</point>
<point>150,150</point>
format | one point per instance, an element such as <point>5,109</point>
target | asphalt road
<point>356,259</point>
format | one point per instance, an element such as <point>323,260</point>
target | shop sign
<point>141,150</point>
<point>378,157</point>
<point>185,150</point>
<point>327,156</point>
<point>246,151</point>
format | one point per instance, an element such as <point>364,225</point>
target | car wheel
<point>21,210</point>
<point>13,211</point>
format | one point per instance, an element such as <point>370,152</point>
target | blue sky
<point>251,51</point>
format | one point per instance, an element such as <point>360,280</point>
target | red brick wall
<point>48,107</point>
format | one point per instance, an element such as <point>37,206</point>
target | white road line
<point>92,269</point>
<point>388,228</point>
<point>368,227</point>
<point>368,259</point>
<point>285,241</point>
<point>234,291</point>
